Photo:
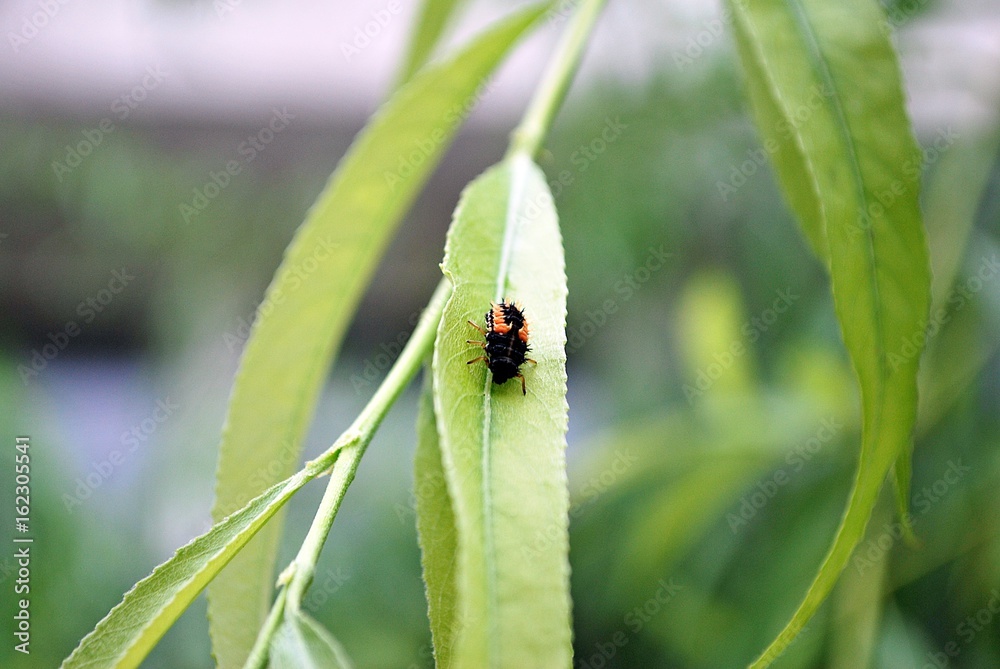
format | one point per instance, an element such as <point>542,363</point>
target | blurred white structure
<point>234,60</point>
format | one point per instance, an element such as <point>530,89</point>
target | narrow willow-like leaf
<point>309,304</point>
<point>434,18</point>
<point>825,86</point>
<point>302,643</point>
<point>348,449</point>
<point>503,452</point>
<point>774,111</point>
<point>858,609</point>
<point>132,628</point>
<point>436,528</point>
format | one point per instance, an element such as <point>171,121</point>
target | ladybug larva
<point>506,342</point>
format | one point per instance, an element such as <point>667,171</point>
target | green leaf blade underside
<point>830,69</point>
<point>503,453</point>
<point>859,607</point>
<point>309,304</point>
<point>125,636</point>
<point>773,104</point>
<point>302,643</point>
<point>436,529</point>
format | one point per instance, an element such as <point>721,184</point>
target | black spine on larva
<point>513,316</point>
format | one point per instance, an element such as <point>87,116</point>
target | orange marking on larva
<point>506,342</point>
<point>499,323</point>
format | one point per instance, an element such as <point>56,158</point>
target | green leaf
<point>302,643</point>
<point>859,609</point>
<point>436,528</point>
<point>132,628</point>
<point>774,110</point>
<point>827,93</point>
<point>503,453</point>
<point>434,18</point>
<point>309,304</point>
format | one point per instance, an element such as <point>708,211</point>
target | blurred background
<point>713,413</point>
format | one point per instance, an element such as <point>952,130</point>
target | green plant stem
<point>344,456</point>
<point>261,647</point>
<point>529,135</point>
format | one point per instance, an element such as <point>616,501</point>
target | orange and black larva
<point>506,342</point>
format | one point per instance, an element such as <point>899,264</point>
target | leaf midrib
<point>511,221</point>
<point>822,70</point>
